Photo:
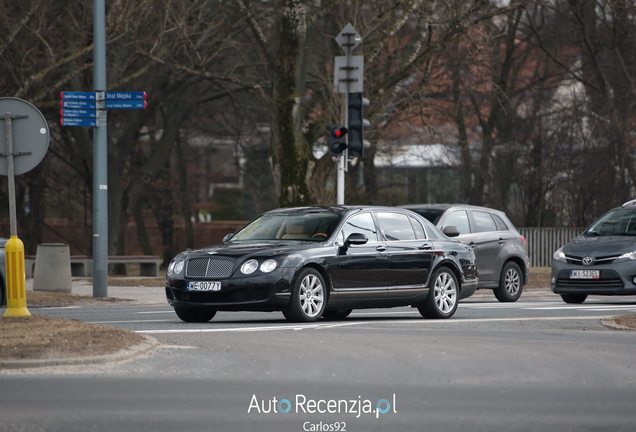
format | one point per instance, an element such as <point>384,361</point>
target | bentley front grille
<point>213,267</point>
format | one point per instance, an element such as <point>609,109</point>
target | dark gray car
<point>500,250</point>
<point>601,261</point>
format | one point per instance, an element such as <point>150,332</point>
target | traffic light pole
<point>343,162</point>
<point>348,39</point>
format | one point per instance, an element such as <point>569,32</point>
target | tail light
<point>523,239</point>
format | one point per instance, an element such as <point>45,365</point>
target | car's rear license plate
<point>204,286</point>
<point>585,274</point>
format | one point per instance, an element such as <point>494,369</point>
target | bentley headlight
<point>268,266</point>
<point>249,266</point>
<point>178,267</point>
<point>559,255</point>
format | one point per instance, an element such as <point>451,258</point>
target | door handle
<point>500,241</point>
<point>381,248</point>
<point>426,246</point>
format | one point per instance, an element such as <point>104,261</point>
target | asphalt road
<point>534,365</point>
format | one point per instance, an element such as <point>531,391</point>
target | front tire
<point>510,283</point>
<point>443,295</point>
<point>574,298</point>
<point>194,315</point>
<point>308,297</point>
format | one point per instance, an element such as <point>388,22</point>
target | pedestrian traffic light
<point>357,124</point>
<point>337,140</point>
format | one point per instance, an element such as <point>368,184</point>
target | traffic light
<point>357,124</point>
<point>337,140</point>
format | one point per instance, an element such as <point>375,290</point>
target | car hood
<point>237,250</point>
<point>600,245</point>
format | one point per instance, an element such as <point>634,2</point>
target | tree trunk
<point>290,151</point>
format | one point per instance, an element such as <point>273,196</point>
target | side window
<point>396,226</point>
<point>362,223</point>
<point>458,218</point>
<point>420,234</point>
<point>501,225</point>
<point>484,221</point>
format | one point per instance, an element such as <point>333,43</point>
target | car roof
<point>446,206</point>
<point>333,208</point>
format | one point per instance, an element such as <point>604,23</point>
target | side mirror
<point>356,239</point>
<point>451,231</point>
<point>227,237</point>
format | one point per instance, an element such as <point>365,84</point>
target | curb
<point>150,344</point>
<point>610,323</point>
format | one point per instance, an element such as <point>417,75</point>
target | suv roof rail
<point>629,203</point>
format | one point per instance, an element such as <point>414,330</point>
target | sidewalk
<point>139,294</point>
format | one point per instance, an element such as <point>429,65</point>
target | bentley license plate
<point>585,274</point>
<point>204,286</point>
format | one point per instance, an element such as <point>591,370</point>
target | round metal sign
<point>30,133</point>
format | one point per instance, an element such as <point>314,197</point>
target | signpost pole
<point>14,248</point>
<point>100,157</point>
<point>348,39</point>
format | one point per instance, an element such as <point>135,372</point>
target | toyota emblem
<point>588,261</point>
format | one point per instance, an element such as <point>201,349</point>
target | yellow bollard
<point>16,278</point>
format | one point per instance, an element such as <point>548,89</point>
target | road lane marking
<point>129,321</point>
<point>358,323</point>
<point>156,312</point>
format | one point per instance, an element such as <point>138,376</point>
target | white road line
<point>128,322</point>
<point>585,307</point>
<point>358,323</point>
<point>156,312</point>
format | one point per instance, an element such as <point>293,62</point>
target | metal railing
<point>543,242</point>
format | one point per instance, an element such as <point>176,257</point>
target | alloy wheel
<point>312,295</point>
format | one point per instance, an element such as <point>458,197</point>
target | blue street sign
<point>125,104</point>
<point>78,113</point>
<point>78,121</point>
<point>127,96</point>
<point>77,104</point>
<point>73,95</point>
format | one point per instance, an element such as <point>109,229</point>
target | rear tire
<point>443,295</point>
<point>574,298</point>
<point>336,314</point>
<point>194,315</point>
<point>510,283</point>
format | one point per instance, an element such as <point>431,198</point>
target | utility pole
<point>100,158</point>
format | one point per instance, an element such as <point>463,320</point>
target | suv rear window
<point>501,225</point>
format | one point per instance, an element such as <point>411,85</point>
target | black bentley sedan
<point>313,262</point>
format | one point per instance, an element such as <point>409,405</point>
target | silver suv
<point>500,250</point>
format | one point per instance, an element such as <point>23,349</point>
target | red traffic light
<point>339,131</point>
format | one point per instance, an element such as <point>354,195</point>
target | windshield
<point>432,215</point>
<point>617,222</point>
<point>317,226</point>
